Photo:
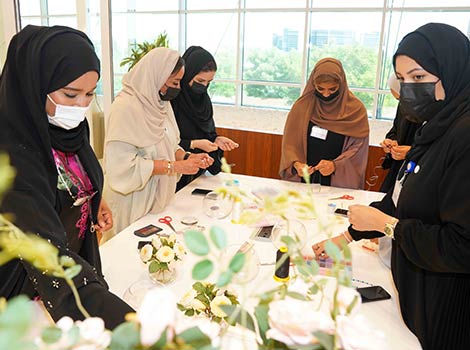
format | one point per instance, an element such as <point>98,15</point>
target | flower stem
<point>77,297</point>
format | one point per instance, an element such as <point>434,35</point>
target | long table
<point>122,265</point>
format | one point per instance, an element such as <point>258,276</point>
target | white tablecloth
<point>122,265</point>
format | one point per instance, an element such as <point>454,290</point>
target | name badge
<point>319,133</point>
<point>396,192</point>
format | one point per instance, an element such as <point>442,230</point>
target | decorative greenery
<point>162,253</point>
<point>140,50</point>
<point>205,298</point>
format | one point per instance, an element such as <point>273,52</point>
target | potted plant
<point>140,50</point>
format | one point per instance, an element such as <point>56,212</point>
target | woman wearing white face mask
<point>46,86</point>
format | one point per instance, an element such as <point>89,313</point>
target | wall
<point>259,155</point>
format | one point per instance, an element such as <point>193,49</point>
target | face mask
<point>170,94</point>
<point>418,101</point>
<point>198,88</point>
<point>328,98</point>
<point>67,117</point>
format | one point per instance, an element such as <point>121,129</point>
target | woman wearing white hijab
<point>143,161</point>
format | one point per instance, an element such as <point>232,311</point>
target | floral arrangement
<point>206,299</point>
<point>161,256</point>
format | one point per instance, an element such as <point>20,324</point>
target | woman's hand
<point>225,144</point>
<point>387,145</point>
<point>205,145</point>
<point>192,165</point>
<point>105,217</point>
<point>325,167</point>
<point>365,218</point>
<point>399,152</point>
<point>340,240</point>
<point>300,166</point>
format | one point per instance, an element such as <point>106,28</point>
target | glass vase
<point>163,275</point>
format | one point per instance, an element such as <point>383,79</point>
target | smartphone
<point>140,244</point>
<point>341,212</point>
<point>147,231</point>
<point>200,192</point>
<point>373,293</point>
<point>264,233</point>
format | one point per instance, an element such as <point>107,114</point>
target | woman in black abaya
<point>427,213</point>
<point>194,114</point>
<point>47,83</point>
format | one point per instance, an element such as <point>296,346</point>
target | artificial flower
<point>146,252</point>
<point>217,302</point>
<point>165,254</point>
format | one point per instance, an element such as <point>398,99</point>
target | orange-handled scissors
<point>344,196</point>
<point>167,220</point>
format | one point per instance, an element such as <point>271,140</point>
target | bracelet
<point>186,155</point>
<point>170,168</point>
<point>191,144</point>
<point>346,237</point>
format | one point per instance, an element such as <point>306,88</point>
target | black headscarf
<point>41,60</point>
<point>196,106</point>
<point>443,51</point>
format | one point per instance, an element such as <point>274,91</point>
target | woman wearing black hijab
<point>194,114</point>
<point>427,213</point>
<point>47,84</point>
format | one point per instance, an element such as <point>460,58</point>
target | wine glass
<point>216,205</point>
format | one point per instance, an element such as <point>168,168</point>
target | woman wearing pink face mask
<point>46,86</point>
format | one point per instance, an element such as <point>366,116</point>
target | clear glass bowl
<point>291,228</point>
<point>134,295</point>
<point>250,268</point>
<point>216,205</point>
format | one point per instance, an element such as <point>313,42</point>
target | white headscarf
<point>138,113</point>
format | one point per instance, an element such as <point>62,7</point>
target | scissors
<point>167,220</point>
<point>344,196</point>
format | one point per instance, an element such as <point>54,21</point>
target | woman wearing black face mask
<point>143,160</point>
<point>427,213</point>
<point>194,115</point>
<point>327,131</point>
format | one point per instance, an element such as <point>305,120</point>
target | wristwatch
<point>389,228</point>
<point>186,155</point>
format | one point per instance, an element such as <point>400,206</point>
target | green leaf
<point>261,315</point>
<point>346,252</point>
<point>202,269</point>
<point>125,337</point>
<point>325,339</point>
<point>238,315</point>
<point>154,267</point>
<point>296,295</point>
<point>314,267</point>
<point>18,316</point>
<point>224,278</point>
<point>199,287</point>
<point>66,261</point>
<point>72,271</point>
<point>195,337</point>
<point>237,262</point>
<point>160,343</point>
<point>218,237</point>
<point>333,251</point>
<point>196,242</point>
<point>50,335</point>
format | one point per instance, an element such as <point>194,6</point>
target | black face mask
<point>418,101</point>
<point>170,94</point>
<point>328,98</point>
<point>198,88</point>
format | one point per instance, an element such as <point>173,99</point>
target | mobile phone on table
<point>373,293</point>
<point>147,231</point>
<point>264,233</point>
<point>341,212</point>
<point>200,191</point>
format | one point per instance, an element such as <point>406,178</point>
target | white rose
<point>198,305</point>
<point>179,250</point>
<point>172,238</point>
<point>156,242</point>
<point>292,321</point>
<point>156,313</point>
<point>65,324</point>
<point>345,297</point>
<point>146,252</point>
<point>91,328</point>
<point>188,297</point>
<point>217,302</point>
<point>165,254</point>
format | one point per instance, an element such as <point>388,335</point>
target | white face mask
<point>67,117</point>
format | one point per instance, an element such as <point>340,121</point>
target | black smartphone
<point>147,231</point>
<point>140,244</point>
<point>373,293</point>
<point>264,233</point>
<point>341,212</point>
<point>200,191</point>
